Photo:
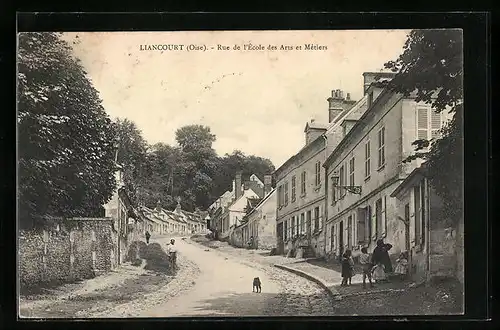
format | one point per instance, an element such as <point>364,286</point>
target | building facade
<point>370,158</point>
<point>300,185</point>
<point>435,245</point>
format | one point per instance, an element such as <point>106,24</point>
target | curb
<point>332,292</point>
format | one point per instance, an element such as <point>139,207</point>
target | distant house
<point>260,221</point>
<point>227,212</point>
<point>435,249</point>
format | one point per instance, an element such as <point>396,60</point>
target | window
<point>332,237</point>
<point>349,232</point>
<point>381,147</point>
<point>334,193</point>
<point>303,183</point>
<point>308,222</point>
<point>286,193</point>
<point>341,181</point>
<point>293,188</point>
<point>280,196</point>
<point>285,230</point>
<point>316,219</point>
<point>318,173</point>
<point>418,214</point>
<point>302,224</point>
<point>428,123</point>
<point>351,171</point>
<point>293,226</point>
<point>367,160</point>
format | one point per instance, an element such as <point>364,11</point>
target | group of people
<point>377,267</point>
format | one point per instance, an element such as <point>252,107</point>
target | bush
<point>136,252</point>
<point>157,259</point>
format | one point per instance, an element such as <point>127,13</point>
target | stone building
<point>366,166</point>
<point>259,221</point>
<point>301,186</point>
<point>435,245</point>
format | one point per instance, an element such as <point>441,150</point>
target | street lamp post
<point>352,189</point>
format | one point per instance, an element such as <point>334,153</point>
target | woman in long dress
<point>381,255</point>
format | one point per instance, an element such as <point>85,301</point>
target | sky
<point>256,101</point>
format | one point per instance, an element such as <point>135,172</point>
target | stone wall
<point>75,252</point>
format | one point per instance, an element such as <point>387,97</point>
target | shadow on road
<point>248,304</point>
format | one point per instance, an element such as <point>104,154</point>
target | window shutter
<point>435,124</point>
<point>384,216</point>
<point>360,232</point>
<point>412,218</point>
<point>353,238</point>
<point>422,123</point>
<point>346,235</point>
<point>374,222</point>
<point>334,248</point>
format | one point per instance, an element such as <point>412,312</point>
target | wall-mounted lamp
<point>351,189</point>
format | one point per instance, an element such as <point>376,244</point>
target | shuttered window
<point>373,223</point>
<point>428,123</point>
<point>293,227</point>
<point>286,193</point>
<point>294,192</point>
<point>317,173</point>
<point>302,224</point>
<point>349,232</point>
<point>351,171</point>
<point>308,222</point>
<point>367,159</point>
<point>303,183</point>
<point>342,181</point>
<point>381,147</point>
<point>422,123</point>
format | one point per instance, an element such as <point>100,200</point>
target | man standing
<point>172,253</point>
<point>148,235</point>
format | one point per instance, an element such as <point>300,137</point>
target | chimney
<point>178,208</point>
<point>348,97</point>
<point>268,179</point>
<point>237,186</point>
<point>158,206</point>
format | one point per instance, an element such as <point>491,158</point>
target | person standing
<point>148,235</point>
<point>364,260</point>
<point>381,255</point>
<point>347,268</point>
<point>172,253</point>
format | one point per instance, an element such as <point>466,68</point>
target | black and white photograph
<point>240,173</point>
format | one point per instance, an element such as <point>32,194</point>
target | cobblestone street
<point>210,282</point>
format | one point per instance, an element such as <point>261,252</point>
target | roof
<point>410,180</point>
<point>315,125</point>
<point>262,201</point>
<point>307,147</point>
<point>359,124</point>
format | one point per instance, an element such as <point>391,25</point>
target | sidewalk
<point>390,298</point>
<point>328,275</point>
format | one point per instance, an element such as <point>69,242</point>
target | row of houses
<point>178,221</point>
<point>348,186</point>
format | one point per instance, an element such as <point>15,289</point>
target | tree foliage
<point>66,140</point>
<point>431,68</point>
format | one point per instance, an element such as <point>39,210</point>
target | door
<point>407,227</point>
<point>341,239</point>
<point>279,235</point>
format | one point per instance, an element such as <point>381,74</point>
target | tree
<point>431,67</point>
<point>131,155</point>
<point>230,164</point>
<point>66,140</point>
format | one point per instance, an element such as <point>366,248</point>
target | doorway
<point>341,239</point>
<point>279,235</point>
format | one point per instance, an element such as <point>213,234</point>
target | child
<point>364,260</point>
<point>347,268</point>
<point>402,265</point>
<point>378,272</point>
